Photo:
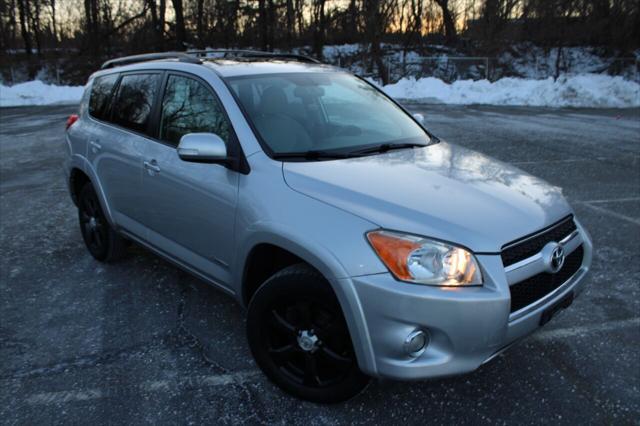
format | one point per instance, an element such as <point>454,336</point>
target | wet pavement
<point>140,341</point>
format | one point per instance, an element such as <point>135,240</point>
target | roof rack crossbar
<point>242,53</point>
<point>126,60</point>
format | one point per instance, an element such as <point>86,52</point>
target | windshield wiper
<point>384,147</point>
<point>311,155</point>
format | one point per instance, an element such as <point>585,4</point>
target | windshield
<point>323,112</point>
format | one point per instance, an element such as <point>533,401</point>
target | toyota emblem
<point>557,258</point>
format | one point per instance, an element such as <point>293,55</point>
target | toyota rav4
<point>360,244</point>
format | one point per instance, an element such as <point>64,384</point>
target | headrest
<point>274,101</point>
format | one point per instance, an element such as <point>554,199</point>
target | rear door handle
<point>152,165</point>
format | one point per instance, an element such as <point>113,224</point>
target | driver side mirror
<point>419,118</point>
<point>203,148</point>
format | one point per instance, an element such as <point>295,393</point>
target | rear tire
<point>299,337</point>
<point>101,240</point>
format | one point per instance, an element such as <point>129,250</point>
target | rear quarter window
<point>100,97</point>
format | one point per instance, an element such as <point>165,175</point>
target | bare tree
<point>34,24</point>
<point>290,18</point>
<point>103,28</point>
<point>54,26</point>
<point>181,33</point>
<point>318,26</point>
<point>495,15</point>
<point>23,6</point>
<point>200,23</point>
<point>156,24</point>
<point>263,24</point>
<point>377,14</point>
<point>414,22</point>
<point>448,20</point>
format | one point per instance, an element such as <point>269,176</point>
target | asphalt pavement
<point>143,342</point>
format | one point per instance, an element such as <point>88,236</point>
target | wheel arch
<point>81,172</point>
<point>77,180</point>
<point>321,259</point>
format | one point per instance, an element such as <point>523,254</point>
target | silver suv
<point>360,244</point>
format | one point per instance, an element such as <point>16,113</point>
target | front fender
<point>328,264</point>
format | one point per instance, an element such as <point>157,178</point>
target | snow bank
<point>586,90</point>
<point>39,93</point>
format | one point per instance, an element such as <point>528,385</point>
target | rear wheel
<point>101,240</point>
<point>299,337</point>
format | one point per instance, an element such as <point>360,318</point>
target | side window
<point>134,101</point>
<point>101,95</point>
<point>189,107</point>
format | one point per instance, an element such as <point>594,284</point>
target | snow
<point>529,61</point>
<point>39,93</point>
<point>332,52</point>
<point>584,90</point>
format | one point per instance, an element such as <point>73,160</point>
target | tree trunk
<point>200,23</point>
<point>94,23</point>
<point>161,14</point>
<point>374,27</point>
<point>91,18</point>
<point>263,25</point>
<point>35,24</point>
<point>180,29</point>
<point>24,29</point>
<point>271,24</point>
<point>54,26</point>
<point>353,20</point>
<point>154,16</point>
<point>318,27</point>
<point>13,22</point>
<point>556,74</point>
<point>299,7</point>
<point>290,20</point>
<point>449,23</point>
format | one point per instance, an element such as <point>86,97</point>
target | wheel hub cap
<point>308,341</point>
<point>93,223</point>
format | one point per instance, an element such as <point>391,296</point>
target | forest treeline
<point>104,28</point>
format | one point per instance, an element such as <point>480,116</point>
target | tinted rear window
<point>134,101</point>
<point>101,95</point>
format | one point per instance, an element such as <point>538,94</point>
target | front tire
<point>101,240</point>
<point>299,337</point>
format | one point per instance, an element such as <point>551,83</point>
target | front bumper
<point>466,326</point>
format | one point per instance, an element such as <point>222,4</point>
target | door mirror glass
<point>419,118</point>
<point>202,148</point>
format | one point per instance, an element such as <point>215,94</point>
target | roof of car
<point>236,68</point>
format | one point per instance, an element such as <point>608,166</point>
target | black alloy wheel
<point>300,339</point>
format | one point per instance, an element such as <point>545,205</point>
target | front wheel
<point>299,337</point>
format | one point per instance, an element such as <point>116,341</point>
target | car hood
<point>441,191</point>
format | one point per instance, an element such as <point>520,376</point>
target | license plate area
<point>561,304</point>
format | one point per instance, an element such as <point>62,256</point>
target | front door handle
<point>152,166</point>
<point>95,146</point>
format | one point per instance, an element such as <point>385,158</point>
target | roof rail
<point>126,60</point>
<point>258,54</point>
<point>194,56</point>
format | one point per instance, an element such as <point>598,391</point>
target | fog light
<point>415,343</point>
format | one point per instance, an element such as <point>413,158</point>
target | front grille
<point>536,287</point>
<point>517,251</point>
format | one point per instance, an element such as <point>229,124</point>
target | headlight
<point>424,261</point>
